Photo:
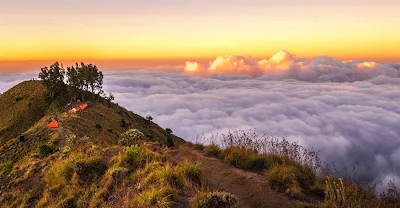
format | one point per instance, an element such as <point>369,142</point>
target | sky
<point>149,31</point>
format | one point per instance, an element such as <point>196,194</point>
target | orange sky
<point>195,29</point>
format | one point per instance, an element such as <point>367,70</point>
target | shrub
<point>283,177</point>
<point>166,175</point>
<point>335,192</point>
<point>5,166</point>
<point>123,123</point>
<point>18,98</point>
<point>341,194</point>
<point>198,146</point>
<point>212,150</point>
<point>170,141</point>
<point>190,170</point>
<point>245,159</point>
<point>90,170</point>
<point>157,197</point>
<point>71,140</point>
<point>60,173</point>
<point>149,118</point>
<point>135,156</point>
<point>291,178</point>
<point>46,150</point>
<point>131,137</point>
<point>213,200</point>
<point>98,126</point>
<point>113,178</point>
<point>272,160</point>
<point>168,130</point>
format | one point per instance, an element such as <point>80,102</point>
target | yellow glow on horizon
<point>360,34</point>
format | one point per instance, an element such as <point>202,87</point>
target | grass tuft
<point>213,200</point>
<point>213,150</point>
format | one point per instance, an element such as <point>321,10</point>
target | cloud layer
<point>285,65</point>
<point>8,80</point>
<point>355,123</point>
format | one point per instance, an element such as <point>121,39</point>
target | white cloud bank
<point>285,65</point>
<point>355,123</point>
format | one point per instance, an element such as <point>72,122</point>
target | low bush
<point>60,173</point>
<point>46,150</point>
<point>213,150</point>
<point>131,137</point>
<point>156,197</point>
<point>283,177</point>
<point>149,118</point>
<point>213,200</point>
<point>245,159</point>
<point>292,179</point>
<point>339,193</point>
<point>166,175</point>
<point>98,126</point>
<point>190,170</point>
<point>198,146</point>
<point>168,131</point>
<point>90,170</point>
<point>135,156</point>
<point>123,123</point>
<point>6,166</point>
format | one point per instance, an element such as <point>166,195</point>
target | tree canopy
<point>53,77</point>
<point>79,78</point>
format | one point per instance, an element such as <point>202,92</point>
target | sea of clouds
<point>348,110</point>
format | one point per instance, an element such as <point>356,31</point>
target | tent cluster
<point>72,110</point>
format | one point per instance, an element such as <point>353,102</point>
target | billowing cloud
<point>353,123</point>
<point>285,65</point>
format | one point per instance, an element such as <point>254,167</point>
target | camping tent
<point>73,110</point>
<point>78,108</point>
<point>53,124</point>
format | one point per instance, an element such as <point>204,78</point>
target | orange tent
<point>83,106</point>
<point>53,124</point>
<point>73,110</point>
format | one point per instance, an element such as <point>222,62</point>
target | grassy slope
<point>109,118</point>
<point>21,109</point>
<point>27,116</point>
<point>17,116</point>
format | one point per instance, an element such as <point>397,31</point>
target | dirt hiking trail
<point>251,189</point>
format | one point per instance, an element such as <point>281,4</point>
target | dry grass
<point>213,150</point>
<point>213,200</point>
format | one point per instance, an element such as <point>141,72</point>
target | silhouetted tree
<point>109,99</point>
<point>170,141</point>
<point>149,118</point>
<point>85,78</point>
<point>168,130</point>
<point>53,77</point>
<point>73,81</point>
